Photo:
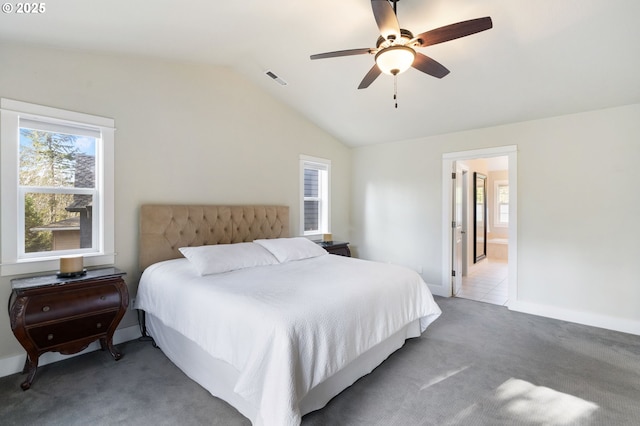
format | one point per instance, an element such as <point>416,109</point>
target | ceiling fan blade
<point>338,53</point>
<point>385,18</point>
<point>454,31</point>
<point>373,73</point>
<point>429,66</point>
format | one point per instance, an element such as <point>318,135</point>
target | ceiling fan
<point>395,50</point>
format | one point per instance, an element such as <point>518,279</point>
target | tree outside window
<point>50,163</point>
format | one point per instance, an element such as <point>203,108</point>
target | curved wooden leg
<point>107,344</point>
<point>30,366</point>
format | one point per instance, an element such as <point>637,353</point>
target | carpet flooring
<point>478,364</point>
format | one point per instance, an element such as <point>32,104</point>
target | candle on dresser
<point>70,264</point>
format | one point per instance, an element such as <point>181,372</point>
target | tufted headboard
<point>165,228</point>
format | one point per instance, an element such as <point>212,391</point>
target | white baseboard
<point>584,318</point>
<point>438,290</point>
<point>14,364</point>
<point>579,317</point>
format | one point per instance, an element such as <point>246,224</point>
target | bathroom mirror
<point>480,213</point>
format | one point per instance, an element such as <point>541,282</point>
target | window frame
<point>496,196</point>
<point>324,196</point>
<point>14,260</point>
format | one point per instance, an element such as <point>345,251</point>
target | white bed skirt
<point>219,377</point>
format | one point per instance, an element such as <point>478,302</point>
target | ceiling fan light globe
<point>395,60</point>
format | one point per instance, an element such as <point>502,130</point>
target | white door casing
<point>456,224</point>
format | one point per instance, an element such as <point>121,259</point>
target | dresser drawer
<point>68,303</point>
<point>64,332</point>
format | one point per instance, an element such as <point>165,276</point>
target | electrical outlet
<point>132,304</point>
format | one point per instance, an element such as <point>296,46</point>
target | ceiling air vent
<point>275,77</point>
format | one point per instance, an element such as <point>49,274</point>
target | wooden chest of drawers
<point>66,315</point>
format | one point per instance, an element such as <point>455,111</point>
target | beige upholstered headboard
<point>166,228</point>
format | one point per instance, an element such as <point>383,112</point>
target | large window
<point>57,187</point>
<point>315,183</point>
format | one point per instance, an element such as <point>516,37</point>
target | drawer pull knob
<point>45,309</point>
<point>50,337</point>
<point>99,325</point>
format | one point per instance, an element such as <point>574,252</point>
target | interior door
<point>457,229</point>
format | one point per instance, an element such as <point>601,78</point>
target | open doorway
<point>480,221</point>
<point>485,224</point>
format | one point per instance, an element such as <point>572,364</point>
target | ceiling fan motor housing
<point>405,37</point>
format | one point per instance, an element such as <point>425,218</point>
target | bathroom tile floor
<point>487,282</point>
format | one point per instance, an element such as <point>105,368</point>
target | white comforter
<point>286,327</point>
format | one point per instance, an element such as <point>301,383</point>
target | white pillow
<point>288,249</point>
<point>215,259</point>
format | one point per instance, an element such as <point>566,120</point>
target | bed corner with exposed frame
<point>296,340</point>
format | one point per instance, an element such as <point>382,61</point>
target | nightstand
<point>336,247</point>
<point>52,314</point>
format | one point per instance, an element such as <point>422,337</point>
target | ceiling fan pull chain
<point>395,89</point>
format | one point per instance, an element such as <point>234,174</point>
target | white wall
<point>578,233</point>
<point>185,134</point>
<point>195,133</point>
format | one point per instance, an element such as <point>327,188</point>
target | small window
<point>315,182</point>
<point>57,187</point>
<point>501,194</point>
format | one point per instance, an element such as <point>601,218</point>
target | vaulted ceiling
<point>542,58</point>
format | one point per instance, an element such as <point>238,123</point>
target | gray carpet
<point>478,364</point>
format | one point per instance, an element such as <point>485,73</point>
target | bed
<point>273,325</point>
